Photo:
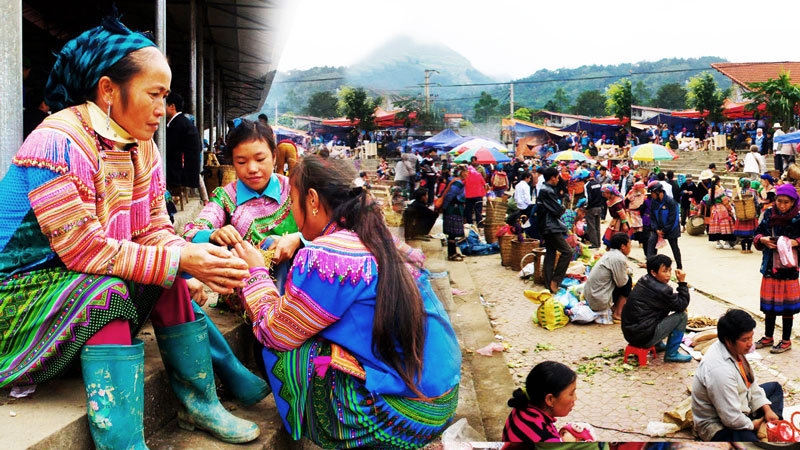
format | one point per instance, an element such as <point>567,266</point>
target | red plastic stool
<point>641,353</point>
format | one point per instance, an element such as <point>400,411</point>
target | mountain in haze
<point>397,67</point>
<point>659,72</point>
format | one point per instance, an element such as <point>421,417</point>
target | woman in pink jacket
<point>475,191</point>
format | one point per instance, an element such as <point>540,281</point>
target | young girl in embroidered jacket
<point>360,352</point>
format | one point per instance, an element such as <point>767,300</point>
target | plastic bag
<point>661,242</point>
<point>551,315</point>
<point>460,433</point>
<point>490,349</point>
<point>582,313</point>
<point>566,298</point>
<point>538,297</point>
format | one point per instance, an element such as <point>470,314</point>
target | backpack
<point>439,202</point>
<point>498,180</point>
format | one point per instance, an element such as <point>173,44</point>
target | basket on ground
<point>495,212</point>
<point>505,249</point>
<point>490,231</point>
<point>520,249</point>
<point>228,174</point>
<point>695,226</point>
<point>745,207</point>
<point>211,177</point>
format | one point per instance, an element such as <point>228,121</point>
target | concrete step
<point>55,415</point>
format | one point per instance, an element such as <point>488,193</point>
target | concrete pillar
<point>190,102</point>
<point>212,106</point>
<point>161,41</point>
<point>200,107</point>
<point>10,81</point>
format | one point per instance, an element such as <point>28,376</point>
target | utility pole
<point>513,130</point>
<point>428,73</point>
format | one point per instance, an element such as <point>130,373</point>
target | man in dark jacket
<point>594,209</point>
<point>548,214</point>
<point>646,318</point>
<point>686,191</point>
<point>184,148</point>
<point>664,222</point>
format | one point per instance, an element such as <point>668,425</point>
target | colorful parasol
<point>652,152</point>
<point>478,143</point>
<point>567,155</point>
<point>484,155</point>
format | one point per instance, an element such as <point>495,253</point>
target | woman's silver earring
<point>108,117</point>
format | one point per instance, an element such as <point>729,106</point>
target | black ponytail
<point>548,377</point>
<point>399,320</point>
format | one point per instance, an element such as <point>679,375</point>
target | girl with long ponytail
<point>359,337</point>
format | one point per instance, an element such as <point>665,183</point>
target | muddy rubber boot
<point>673,344</point>
<point>113,376</point>
<point>247,387</point>
<point>187,358</point>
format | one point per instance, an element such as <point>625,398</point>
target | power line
<point>599,77</point>
<point>310,81</point>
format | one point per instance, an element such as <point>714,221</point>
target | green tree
<point>322,104</point>
<point>550,106</point>
<point>286,119</point>
<point>355,104</point>
<point>780,97</point>
<point>670,96</point>
<point>424,120</point>
<point>486,108</point>
<point>523,114</point>
<point>705,96</point>
<point>641,94</point>
<point>618,99</point>
<point>561,101</point>
<point>590,103</point>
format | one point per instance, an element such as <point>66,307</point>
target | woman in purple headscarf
<point>777,237</point>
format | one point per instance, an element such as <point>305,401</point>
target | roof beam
<point>240,16</point>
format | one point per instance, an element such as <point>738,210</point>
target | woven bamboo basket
<point>505,249</point>
<point>490,231</point>
<point>695,226</point>
<point>228,174</point>
<point>745,208</point>
<point>520,249</point>
<point>538,262</point>
<point>495,212</point>
<point>211,177</point>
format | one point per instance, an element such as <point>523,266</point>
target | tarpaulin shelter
<point>734,110</point>
<point>285,132</point>
<point>690,113</point>
<point>522,127</point>
<point>610,120</point>
<point>383,119</point>
<point>672,121</point>
<point>442,139</point>
<point>591,128</point>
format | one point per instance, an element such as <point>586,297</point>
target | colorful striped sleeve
<point>284,322</point>
<point>160,230</point>
<point>210,218</point>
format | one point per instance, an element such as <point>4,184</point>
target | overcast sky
<point>504,38</point>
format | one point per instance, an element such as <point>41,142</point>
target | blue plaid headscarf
<point>83,60</point>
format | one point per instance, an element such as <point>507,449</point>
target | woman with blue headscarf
<point>87,251</point>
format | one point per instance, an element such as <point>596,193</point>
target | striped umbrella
<point>652,152</point>
<point>478,143</point>
<point>567,155</point>
<point>484,155</point>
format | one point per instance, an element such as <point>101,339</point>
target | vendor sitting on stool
<point>727,403</point>
<point>646,318</point>
<point>609,282</point>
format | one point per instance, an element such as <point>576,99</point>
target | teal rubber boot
<point>660,346</point>
<point>247,387</point>
<point>673,344</point>
<point>114,379</point>
<point>187,358</point>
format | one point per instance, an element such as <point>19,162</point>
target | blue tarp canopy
<point>672,121</point>
<point>789,138</point>
<point>442,139</point>
<point>592,128</point>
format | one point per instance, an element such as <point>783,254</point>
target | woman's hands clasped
<point>216,267</point>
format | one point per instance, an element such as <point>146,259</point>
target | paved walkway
<point>621,399</point>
